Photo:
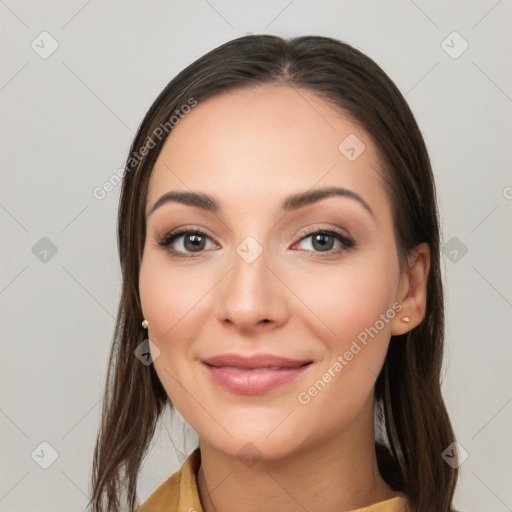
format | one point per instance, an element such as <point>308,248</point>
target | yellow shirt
<point>179,493</point>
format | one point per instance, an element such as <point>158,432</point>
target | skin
<point>250,149</point>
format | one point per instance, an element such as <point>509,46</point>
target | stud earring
<point>145,324</point>
<point>406,319</point>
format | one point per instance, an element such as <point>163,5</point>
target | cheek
<point>354,304</point>
<point>168,294</point>
<point>336,307</point>
<point>166,297</point>
<point>351,297</point>
<point>176,302</point>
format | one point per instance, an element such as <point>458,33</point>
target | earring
<point>406,319</point>
<point>145,324</point>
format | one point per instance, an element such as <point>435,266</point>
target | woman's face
<point>273,325</point>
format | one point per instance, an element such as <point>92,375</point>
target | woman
<point>279,244</point>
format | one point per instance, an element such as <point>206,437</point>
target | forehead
<point>267,141</point>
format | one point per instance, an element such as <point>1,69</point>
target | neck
<point>338,474</point>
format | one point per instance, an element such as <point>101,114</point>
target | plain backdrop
<point>75,81</point>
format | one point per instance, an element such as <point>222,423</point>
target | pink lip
<point>253,375</point>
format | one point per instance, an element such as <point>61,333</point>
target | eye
<point>324,241</point>
<point>186,242</point>
<point>190,242</point>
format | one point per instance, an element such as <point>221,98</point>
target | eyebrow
<point>292,202</point>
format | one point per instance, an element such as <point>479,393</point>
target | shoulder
<point>179,492</point>
<point>397,504</point>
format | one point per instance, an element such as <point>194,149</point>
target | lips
<point>253,375</point>
<point>254,362</point>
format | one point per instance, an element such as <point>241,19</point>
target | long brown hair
<point>412,415</point>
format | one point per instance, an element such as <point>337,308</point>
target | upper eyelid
<point>179,232</point>
<point>308,231</point>
<point>315,229</point>
<point>332,231</point>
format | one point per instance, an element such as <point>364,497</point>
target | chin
<point>251,449</point>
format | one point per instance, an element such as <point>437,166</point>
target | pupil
<point>196,241</point>
<point>323,246</point>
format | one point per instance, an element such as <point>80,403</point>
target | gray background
<point>67,122</point>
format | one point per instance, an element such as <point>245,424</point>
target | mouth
<point>253,375</point>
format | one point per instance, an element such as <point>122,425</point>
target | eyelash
<point>170,237</point>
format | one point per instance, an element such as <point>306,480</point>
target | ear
<point>412,290</point>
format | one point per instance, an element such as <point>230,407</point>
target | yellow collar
<point>179,493</point>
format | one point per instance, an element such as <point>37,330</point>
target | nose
<point>251,297</point>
